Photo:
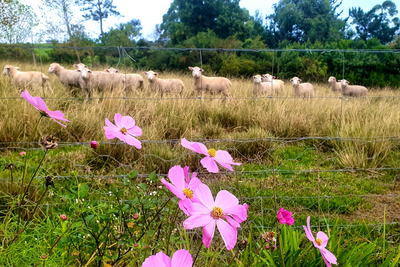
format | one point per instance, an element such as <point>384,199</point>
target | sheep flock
<point>111,79</point>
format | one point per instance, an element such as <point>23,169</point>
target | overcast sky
<point>151,12</point>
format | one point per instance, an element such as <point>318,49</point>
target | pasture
<point>332,158</point>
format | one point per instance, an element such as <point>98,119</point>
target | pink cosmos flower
<point>212,156</point>
<point>182,186</point>
<point>225,212</point>
<point>40,105</point>
<point>125,130</point>
<point>285,216</point>
<point>181,258</point>
<point>320,243</point>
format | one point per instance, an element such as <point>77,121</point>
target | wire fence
<point>352,179</point>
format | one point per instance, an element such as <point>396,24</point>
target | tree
<point>98,10</point>
<point>377,22</point>
<point>123,34</point>
<point>16,21</point>
<point>187,18</point>
<point>303,20</point>
<point>64,12</point>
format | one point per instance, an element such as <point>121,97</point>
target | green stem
<point>197,254</point>
<point>48,252</point>
<point>33,176</point>
<point>171,227</point>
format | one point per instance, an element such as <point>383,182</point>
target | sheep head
<point>111,70</point>
<point>295,80</point>
<point>196,72</point>
<point>85,73</point>
<point>151,75</point>
<point>257,79</point>
<point>331,79</point>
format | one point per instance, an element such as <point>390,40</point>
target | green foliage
<point>378,23</point>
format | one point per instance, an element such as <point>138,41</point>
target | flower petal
<point>117,120</point>
<point>205,196</point>
<point>130,140</point>
<point>209,164</point>
<point>198,209</point>
<point>135,131</point>
<point>228,233</point>
<point>323,237</point>
<point>238,212</point>
<point>184,205</point>
<point>308,230</point>
<point>194,183</point>
<point>208,233</point>
<point>111,125</point>
<point>328,255</point>
<point>159,260</point>
<point>186,172</point>
<point>176,176</point>
<point>196,221</point>
<point>127,122</point>
<point>177,192</point>
<point>225,200</point>
<point>194,146</point>
<point>182,258</point>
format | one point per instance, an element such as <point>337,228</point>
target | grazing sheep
<point>269,78</point>
<point>263,88</point>
<point>212,85</point>
<point>26,79</point>
<point>352,90</point>
<point>132,81</point>
<point>164,85</point>
<point>302,89</point>
<point>91,81</point>
<point>69,78</point>
<point>335,86</point>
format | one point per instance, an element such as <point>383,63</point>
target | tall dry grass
<point>244,117</point>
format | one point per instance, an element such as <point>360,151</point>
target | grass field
<point>334,159</point>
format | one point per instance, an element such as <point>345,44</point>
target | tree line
<point>294,24</point>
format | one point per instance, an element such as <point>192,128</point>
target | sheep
<point>164,85</point>
<point>335,86</point>
<point>269,78</point>
<point>352,90</point>
<point>26,79</point>
<point>302,89</point>
<point>90,81</point>
<point>263,88</point>
<point>213,85</point>
<point>132,81</point>
<point>69,78</point>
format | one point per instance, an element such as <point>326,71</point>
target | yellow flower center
<point>124,131</point>
<point>319,242</point>
<point>188,193</point>
<point>212,152</point>
<point>217,213</point>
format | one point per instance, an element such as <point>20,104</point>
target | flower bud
<point>136,216</point>
<point>23,153</point>
<point>267,246</point>
<point>136,245</point>
<point>93,144</point>
<point>44,256</point>
<point>63,217</point>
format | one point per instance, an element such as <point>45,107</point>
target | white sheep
<point>26,79</point>
<point>91,81</point>
<point>263,88</point>
<point>352,90</point>
<point>269,78</point>
<point>69,78</point>
<point>335,86</point>
<point>164,85</point>
<point>212,85</point>
<point>132,81</point>
<point>302,89</point>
